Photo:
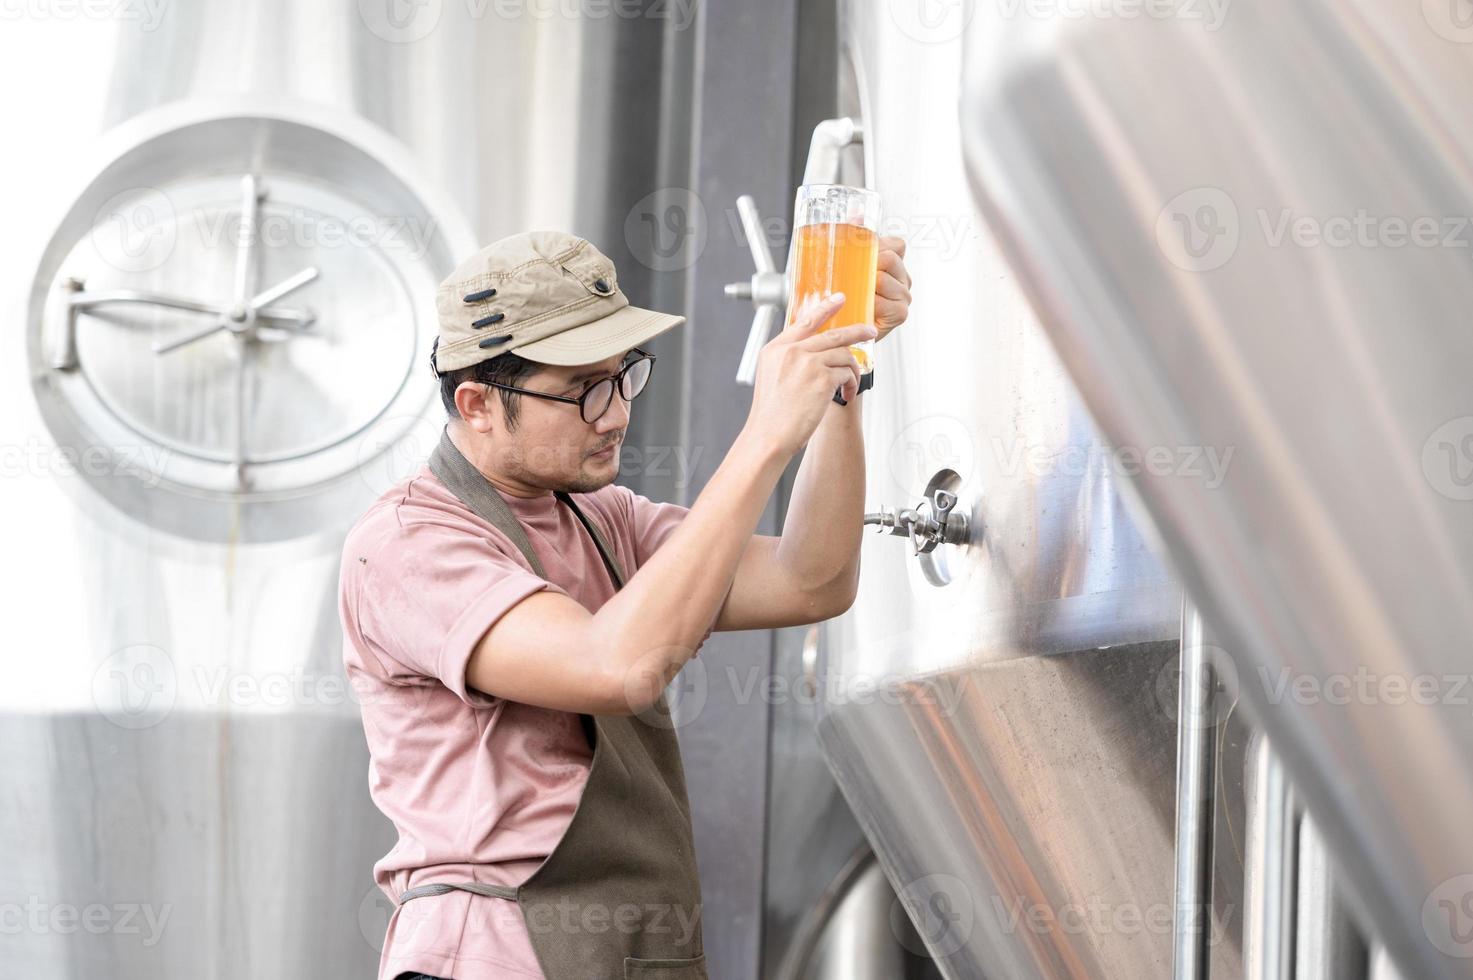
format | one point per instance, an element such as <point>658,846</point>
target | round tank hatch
<point>230,312</point>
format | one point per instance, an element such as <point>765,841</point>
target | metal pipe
<point>1382,967</point>
<point>1268,946</point>
<point>829,139</point>
<point>1194,801</point>
<point>1327,945</point>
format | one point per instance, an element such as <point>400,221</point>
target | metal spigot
<point>830,137</point>
<point>930,523</point>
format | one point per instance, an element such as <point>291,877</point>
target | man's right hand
<point>798,372</point>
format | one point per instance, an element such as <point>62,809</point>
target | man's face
<point>552,447</point>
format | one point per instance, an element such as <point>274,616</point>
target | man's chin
<point>595,476</point>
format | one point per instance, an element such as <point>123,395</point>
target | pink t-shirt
<point>479,788</point>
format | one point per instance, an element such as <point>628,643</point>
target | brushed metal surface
<point>1327,945</point>
<point>1044,787</point>
<point>1219,226</point>
<point>1196,761</point>
<point>1024,810</point>
<point>973,385</point>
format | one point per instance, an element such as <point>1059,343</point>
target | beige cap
<point>550,296</point>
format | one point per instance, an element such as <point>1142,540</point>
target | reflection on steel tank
<point>1245,228</point>
<point>994,709</point>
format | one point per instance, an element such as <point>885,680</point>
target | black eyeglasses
<point>597,396</point>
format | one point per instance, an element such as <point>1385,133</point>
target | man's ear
<point>478,409</point>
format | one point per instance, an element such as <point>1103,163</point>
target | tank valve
<point>931,522</point>
<point>767,290</point>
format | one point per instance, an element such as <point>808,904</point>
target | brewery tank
<point>1245,227</point>
<point>1000,712</point>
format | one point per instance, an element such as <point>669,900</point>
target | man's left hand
<point>892,286</point>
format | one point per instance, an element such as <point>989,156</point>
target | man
<point>512,616</point>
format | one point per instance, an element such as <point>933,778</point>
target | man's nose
<point>616,416</point>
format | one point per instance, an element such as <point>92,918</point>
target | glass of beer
<point>836,243</point>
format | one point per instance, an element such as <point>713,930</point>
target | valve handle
<point>767,289</point>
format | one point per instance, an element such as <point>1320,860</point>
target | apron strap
<point>451,468</point>
<point>610,562</point>
<point>475,887</point>
<point>465,481</point>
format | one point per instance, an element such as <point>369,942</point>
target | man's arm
<point>811,572</point>
<point>548,650</point>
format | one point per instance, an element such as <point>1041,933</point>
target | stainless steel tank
<point>999,712</point>
<point>1246,227</point>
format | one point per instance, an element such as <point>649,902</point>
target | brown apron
<point>619,895</point>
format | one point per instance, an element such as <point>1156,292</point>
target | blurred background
<point>1160,664</point>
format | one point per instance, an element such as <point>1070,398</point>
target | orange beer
<point>836,246</point>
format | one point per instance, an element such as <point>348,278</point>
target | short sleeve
<point>430,593</point>
<point>651,523</point>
